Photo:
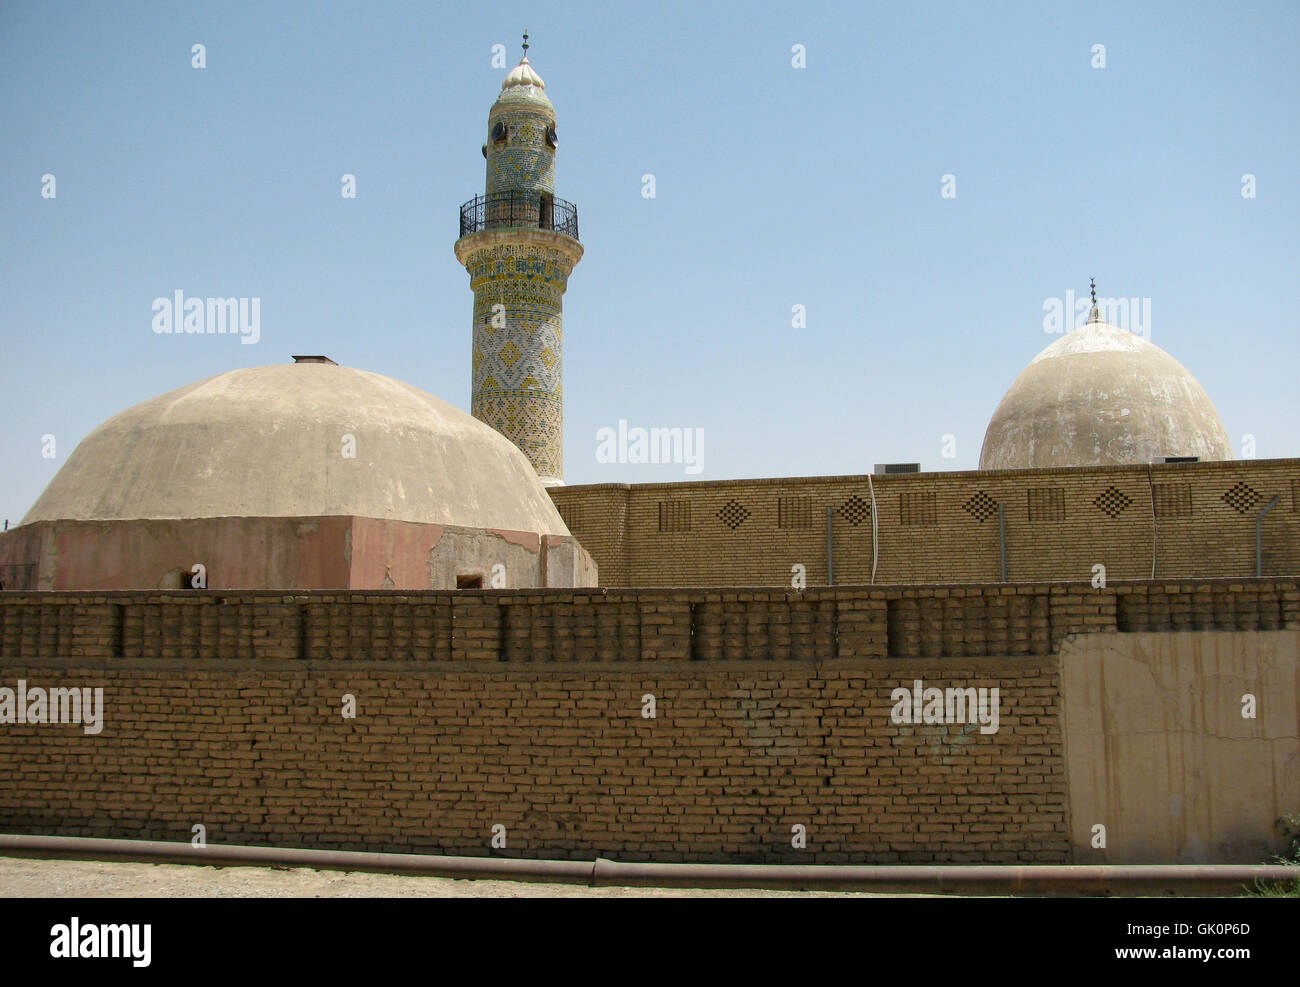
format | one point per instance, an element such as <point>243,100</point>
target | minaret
<point>519,242</point>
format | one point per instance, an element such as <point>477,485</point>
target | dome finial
<point>1095,314</point>
<point>523,73</point>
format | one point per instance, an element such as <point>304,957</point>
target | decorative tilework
<point>517,377</point>
<point>518,366</point>
<point>523,160</point>
<point>535,424</point>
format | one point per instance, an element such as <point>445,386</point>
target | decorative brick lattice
<point>1241,498</point>
<point>569,514</point>
<point>794,512</point>
<point>1173,500</point>
<point>855,510</point>
<point>1112,501</point>
<point>981,507</point>
<point>733,514</point>
<point>674,515</point>
<point>1046,505</point>
<point>918,507</point>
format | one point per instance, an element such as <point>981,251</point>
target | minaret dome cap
<point>522,75</point>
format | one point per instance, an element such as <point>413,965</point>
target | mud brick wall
<point>1193,520</point>
<point>524,709</point>
<point>628,625</point>
<point>738,754</point>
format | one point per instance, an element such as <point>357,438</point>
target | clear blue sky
<point>776,186</point>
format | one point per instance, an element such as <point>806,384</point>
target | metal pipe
<point>875,530</point>
<point>1226,879</point>
<point>830,547</point>
<point>1155,531</point>
<point>1002,537</point>
<point>1259,536</point>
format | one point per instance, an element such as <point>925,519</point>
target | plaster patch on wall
<point>1157,749</point>
<point>530,540</point>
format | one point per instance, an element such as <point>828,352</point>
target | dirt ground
<point>24,877</point>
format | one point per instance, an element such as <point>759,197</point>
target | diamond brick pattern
<point>1112,501</point>
<point>733,514</point>
<point>1242,497</point>
<point>855,510</point>
<point>981,506</point>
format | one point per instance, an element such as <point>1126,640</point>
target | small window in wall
<point>474,581</point>
<point>546,212</point>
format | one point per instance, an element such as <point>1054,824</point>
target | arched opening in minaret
<point>545,212</point>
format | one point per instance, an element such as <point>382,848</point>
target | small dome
<point>523,75</point>
<point>1102,396</point>
<point>272,442</point>
<point>523,89</point>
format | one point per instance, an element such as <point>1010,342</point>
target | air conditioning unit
<point>882,468</point>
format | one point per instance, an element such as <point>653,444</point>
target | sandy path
<point>23,877</point>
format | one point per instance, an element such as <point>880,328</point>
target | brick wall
<point>943,527</point>
<point>627,625</point>
<point>524,709</point>
<point>561,757</point>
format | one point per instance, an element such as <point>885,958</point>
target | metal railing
<point>504,210</point>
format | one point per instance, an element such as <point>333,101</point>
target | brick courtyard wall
<point>1195,520</point>
<point>524,709</point>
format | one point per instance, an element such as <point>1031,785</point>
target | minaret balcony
<point>517,209</point>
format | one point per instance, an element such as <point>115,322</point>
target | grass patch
<point>1290,828</point>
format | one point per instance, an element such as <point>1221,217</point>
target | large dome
<point>270,442</point>
<point>1102,396</point>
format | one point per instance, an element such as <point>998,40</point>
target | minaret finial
<point>525,44</point>
<point>1094,315</point>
